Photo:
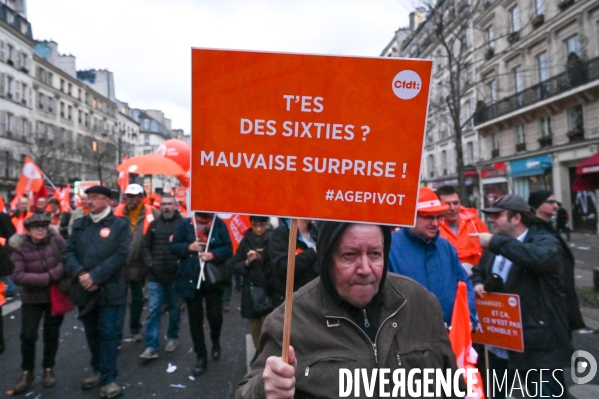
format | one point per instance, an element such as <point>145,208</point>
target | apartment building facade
<point>538,103</point>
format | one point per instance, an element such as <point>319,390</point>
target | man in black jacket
<point>546,206</point>
<point>306,268</point>
<point>521,259</point>
<point>95,258</point>
<point>161,275</point>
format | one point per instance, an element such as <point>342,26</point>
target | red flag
<point>460,336</point>
<point>123,179</point>
<point>56,194</point>
<point>2,205</point>
<point>31,179</point>
<point>237,226</point>
<point>65,199</point>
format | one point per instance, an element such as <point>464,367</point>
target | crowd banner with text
<point>308,136</point>
<point>500,321</point>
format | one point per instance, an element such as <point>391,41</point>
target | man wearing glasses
<point>419,253</point>
<point>545,206</point>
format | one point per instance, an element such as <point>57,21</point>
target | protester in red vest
<point>19,216</point>
<point>139,216</point>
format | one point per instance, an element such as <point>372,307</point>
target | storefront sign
<point>530,166</point>
<point>493,170</point>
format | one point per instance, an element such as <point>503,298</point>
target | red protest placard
<point>308,136</point>
<point>500,321</point>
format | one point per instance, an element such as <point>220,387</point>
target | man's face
<point>23,205</point>
<point>548,209</point>
<point>168,206</point>
<point>427,225</point>
<point>453,213</point>
<point>41,204</point>
<point>502,225</point>
<point>85,202</point>
<point>133,200</point>
<point>97,203</point>
<point>358,263</point>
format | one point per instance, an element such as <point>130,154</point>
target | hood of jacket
<point>468,213</point>
<point>329,235</point>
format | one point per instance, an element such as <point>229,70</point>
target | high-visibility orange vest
<point>148,218</point>
<point>19,222</point>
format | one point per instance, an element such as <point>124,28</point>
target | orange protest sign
<point>500,321</point>
<point>308,136</point>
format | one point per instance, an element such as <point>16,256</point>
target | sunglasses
<point>552,202</point>
<point>132,195</point>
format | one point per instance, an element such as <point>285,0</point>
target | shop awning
<point>530,166</point>
<point>588,182</point>
<point>589,165</point>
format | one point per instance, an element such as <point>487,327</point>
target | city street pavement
<point>151,380</point>
<point>139,379</point>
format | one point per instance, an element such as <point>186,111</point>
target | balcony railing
<point>575,76</point>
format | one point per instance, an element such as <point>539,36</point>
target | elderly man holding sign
<point>356,315</point>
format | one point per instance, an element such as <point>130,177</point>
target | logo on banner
<point>406,84</point>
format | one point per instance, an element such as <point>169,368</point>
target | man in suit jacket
<point>520,259</point>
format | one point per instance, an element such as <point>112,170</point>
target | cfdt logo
<point>406,84</point>
<point>584,367</point>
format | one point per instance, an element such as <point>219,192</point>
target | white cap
<point>134,189</point>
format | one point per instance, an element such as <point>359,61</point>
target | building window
<point>495,139</point>
<point>50,79</point>
<point>23,60</point>
<point>40,100</point>
<point>575,118</point>
<point>146,139</point>
<point>4,163</point>
<point>79,95</point>
<point>514,19</point>
<point>520,138</point>
<point>86,120</point>
<point>39,127</point>
<point>518,81</point>
<point>146,152</point>
<point>25,129</point>
<point>9,52</point>
<point>70,89</point>
<point>80,117</point>
<point>9,124</point>
<point>572,46</point>
<point>50,134</point>
<point>444,162</point>
<point>430,165</point>
<point>70,112</point>
<point>543,66</point>
<point>545,126</point>
<point>62,115</point>
<point>493,91</point>
<point>62,85</point>
<point>9,91</point>
<point>539,7</point>
<point>490,38</point>
<point>10,17</point>
<point>470,152</point>
<point>24,94</point>
<point>50,104</point>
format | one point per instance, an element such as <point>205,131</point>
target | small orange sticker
<point>105,232</point>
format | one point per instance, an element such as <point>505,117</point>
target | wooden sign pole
<point>289,289</point>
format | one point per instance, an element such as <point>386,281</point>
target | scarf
<point>203,228</point>
<point>134,214</point>
<point>99,216</point>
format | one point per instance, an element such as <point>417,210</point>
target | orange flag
<point>65,199</point>
<point>31,179</point>
<point>123,179</point>
<point>15,200</point>
<point>237,226</point>
<point>2,205</point>
<point>460,337</point>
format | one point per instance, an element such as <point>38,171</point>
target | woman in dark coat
<point>249,262</point>
<point>189,245</point>
<point>38,264</point>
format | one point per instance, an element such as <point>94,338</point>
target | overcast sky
<point>147,43</point>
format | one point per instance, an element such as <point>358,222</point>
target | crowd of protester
<point>103,252</point>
